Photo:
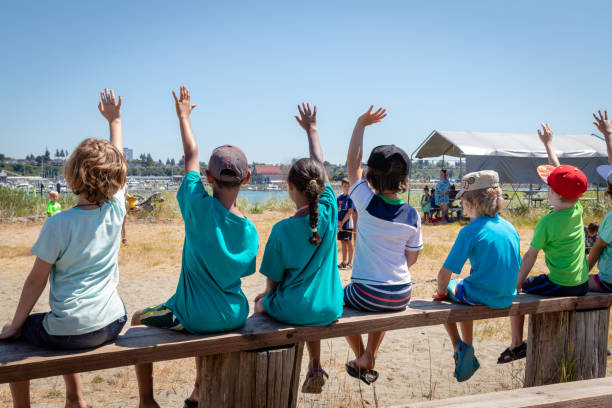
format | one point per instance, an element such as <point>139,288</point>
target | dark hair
<point>593,227</point>
<point>345,181</point>
<point>394,180</point>
<point>228,184</point>
<point>426,188</point>
<point>609,191</point>
<point>443,171</point>
<point>307,175</point>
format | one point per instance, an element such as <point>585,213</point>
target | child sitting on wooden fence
<point>76,252</point>
<point>300,261</point>
<point>493,248</point>
<point>560,234</point>
<point>219,249</point>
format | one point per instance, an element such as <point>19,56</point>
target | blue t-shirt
<point>344,205</point>
<point>604,264</point>
<point>492,245</point>
<point>309,290</point>
<point>83,246</point>
<point>219,248</point>
<point>442,191</point>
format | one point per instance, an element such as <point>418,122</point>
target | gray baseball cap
<point>228,163</point>
<point>478,180</point>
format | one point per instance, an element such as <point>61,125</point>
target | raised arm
<point>603,125</point>
<point>111,110</point>
<point>308,121</point>
<point>546,135</point>
<point>355,151</point>
<point>190,147</point>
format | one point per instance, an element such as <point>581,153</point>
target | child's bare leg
<point>21,394</point>
<point>344,252</point>
<point>350,251</point>
<point>314,351</point>
<point>356,343</point>
<point>467,331</point>
<point>453,333</point>
<point>74,394</point>
<point>517,323</point>
<point>144,375</point>
<point>367,360</point>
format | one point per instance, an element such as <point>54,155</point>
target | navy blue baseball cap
<point>381,157</point>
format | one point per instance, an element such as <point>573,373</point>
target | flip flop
<point>189,403</point>
<point>315,380</point>
<point>367,376</point>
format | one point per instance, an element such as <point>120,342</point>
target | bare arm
<point>528,261</point>
<point>308,121</point>
<point>546,137</point>
<point>111,110</point>
<point>347,217</point>
<point>604,126</point>
<point>355,151</point>
<point>411,257</point>
<point>190,147</point>
<point>32,289</point>
<point>444,276</point>
<point>599,246</point>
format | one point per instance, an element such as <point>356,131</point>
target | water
<point>262,196</point>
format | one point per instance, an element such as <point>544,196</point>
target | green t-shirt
<point>53,208</point>
<point>561,235</point>
<point>309,290</point>
<point>219,248</point>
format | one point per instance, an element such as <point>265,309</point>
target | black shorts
<point>345,235</point>
<point>541,285</point>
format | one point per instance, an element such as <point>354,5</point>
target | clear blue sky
<point>452,65</point>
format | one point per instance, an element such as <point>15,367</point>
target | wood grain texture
<point>595,393</point>
<point>566,346</point>
<point>20,361</point>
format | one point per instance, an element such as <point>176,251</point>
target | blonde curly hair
<point>95,169</point>
<point>486,201</point>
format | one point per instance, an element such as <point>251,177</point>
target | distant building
<point>263,174</point>
<point>3,176</point>
<point>128,154</point>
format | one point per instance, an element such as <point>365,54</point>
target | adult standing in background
<point>442,194</point>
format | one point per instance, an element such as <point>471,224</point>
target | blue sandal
<point>466,362</point>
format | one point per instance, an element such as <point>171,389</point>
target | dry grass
<point>415,364</point>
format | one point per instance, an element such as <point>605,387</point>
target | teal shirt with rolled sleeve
<point>220,248</point>
<point>604,264</point>
<point>309,290</point>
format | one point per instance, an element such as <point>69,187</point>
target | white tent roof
<point>515,156</point>
<point>458,144</point>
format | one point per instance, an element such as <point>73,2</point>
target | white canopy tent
<point>515,156</point>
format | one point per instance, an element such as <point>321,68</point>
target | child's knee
<point>136,318</point>
<point>259,307</point>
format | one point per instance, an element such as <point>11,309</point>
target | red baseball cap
<point>567,181</point>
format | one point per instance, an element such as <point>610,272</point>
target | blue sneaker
<point>466,363</point>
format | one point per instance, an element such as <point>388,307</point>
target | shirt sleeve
<point>415,243</point>
<point>361,194</point>
<point>539,234</point>
<point>459,253</point>
<point>190,187</point>
<point>605,230</point>
<point>119,201</point>
<point>349,204</point>
<point>328,197</point>
<point>49,245</point>
<point>271,264</point>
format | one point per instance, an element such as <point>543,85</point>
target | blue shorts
<point>377,298</point>
<point>34,333</point>
<point>541,285</point>
<point>603,286</point>
<point>456,292</point>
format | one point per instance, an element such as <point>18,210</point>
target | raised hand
<point>109,108</point>
<point>370,117</point>
<point>603,124</point>
<point>308,118</point>
<point>183,104</point>
<point>545,134</point>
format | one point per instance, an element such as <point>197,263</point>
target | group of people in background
<point>439,200</point>
<point>303,285</point>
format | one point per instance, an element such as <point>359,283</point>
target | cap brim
<point>544,171</point>
<point>459,194</point>
<point>604,171</point>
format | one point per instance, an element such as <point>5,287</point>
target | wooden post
<point>266,378</point>
<point>566,346</point>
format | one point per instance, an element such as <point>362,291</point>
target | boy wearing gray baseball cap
<point>493,248</point>
<point>219,249</point>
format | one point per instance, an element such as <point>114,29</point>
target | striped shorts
<point>160,316</point>
<point>377,298</point>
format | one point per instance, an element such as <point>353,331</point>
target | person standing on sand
<point>442,194</point>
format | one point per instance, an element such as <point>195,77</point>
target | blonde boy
<point>53,207</point>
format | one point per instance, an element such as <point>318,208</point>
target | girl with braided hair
<point>300,260</point>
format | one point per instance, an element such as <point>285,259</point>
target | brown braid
<point>307,177</point>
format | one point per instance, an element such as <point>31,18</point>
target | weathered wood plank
<point>19,361</point>
<point>595,393</point>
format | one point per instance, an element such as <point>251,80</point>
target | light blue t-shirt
<point>219,248</point>
<point>605,258</point>
<point>309,290</point>
<point>493,248</point>
<point>83,246</point>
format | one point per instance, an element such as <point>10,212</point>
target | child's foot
<point>192,401</point>
<point>148,404</point>
<point>315,380</point>
<point>342,266</point>
<point>512,354</point>
<point>466,363</point>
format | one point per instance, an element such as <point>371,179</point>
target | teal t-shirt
<point>605,258</point>
<point>561,235</point>
<point>492,245</point>
<point>309,291</point>
<point>83,246</point>
<point>220,248</point>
